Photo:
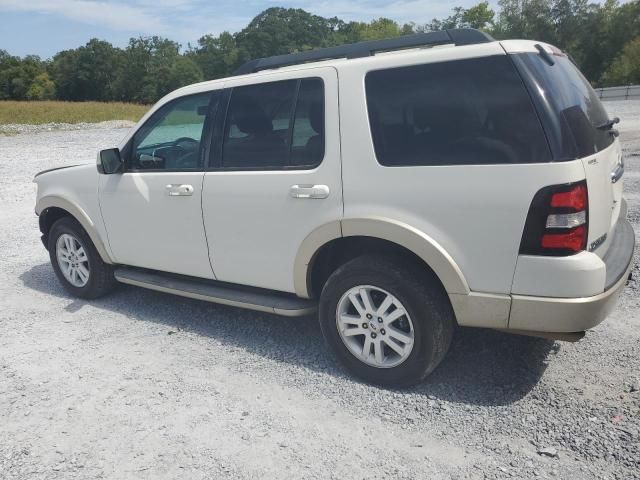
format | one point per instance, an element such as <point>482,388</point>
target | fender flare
<point>54,201</point>
<point>414,240</point>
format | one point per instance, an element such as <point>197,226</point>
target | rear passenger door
<point>273,176</point>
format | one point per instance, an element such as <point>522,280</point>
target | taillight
<point>575,199</point>
<point>558,221</point>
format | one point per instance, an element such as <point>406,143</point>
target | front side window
<point>171,138</point>
<point>275,125</point>
<point>474,111</point>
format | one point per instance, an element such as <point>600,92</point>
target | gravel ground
<point>146,385</point>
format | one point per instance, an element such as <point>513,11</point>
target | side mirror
<point>110,161</point>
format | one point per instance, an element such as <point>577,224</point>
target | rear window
<point>576,110</point>
<point>474,111</point>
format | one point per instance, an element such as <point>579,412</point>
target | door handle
<point>179,190</point>
<point>309,191</point>
<point>617,173</point>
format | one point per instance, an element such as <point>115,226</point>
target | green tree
<point>625,69</point>
<point>184,71</point>
<point>601,37</point>
<point>42,88</point>
<point>17,75</point>
<point>525,19</point>
<point>88,72</point>
<point>99,66</point>
<point>379,29</point>
<point>7,63</point>
<point>479,16</point>
<point>64,68</point>
<point>452,21</point>
<point>283,30</point>
<point>216,56</point>
<point>147,66</point>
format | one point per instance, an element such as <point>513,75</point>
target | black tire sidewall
<point>431,322</point>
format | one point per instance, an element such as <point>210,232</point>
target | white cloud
<point>187,20</point>
<point>182,20</point>
<point>117,16</point>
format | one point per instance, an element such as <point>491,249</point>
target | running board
<point>217,292</point>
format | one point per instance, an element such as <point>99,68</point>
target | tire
<point>99,280</point>
<point>428,319</point>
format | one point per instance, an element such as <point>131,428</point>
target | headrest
<point>250,118</point>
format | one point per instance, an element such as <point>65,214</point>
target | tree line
<point>603,39</point>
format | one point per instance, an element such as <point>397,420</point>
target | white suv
<point>401,187</point>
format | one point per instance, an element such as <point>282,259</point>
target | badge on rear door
<point>597,242</point>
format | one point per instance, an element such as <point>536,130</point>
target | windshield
<point>575,107</point>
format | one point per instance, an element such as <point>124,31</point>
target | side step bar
<point>212,291</point>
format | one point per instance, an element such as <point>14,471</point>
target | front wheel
<point>388,322</point>
<point>76,261</point>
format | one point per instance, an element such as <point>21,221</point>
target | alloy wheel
<point>374,326</point>
<point>72,260</point>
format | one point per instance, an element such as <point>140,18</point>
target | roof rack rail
<point>457,36</point>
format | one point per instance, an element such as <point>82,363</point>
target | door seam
<point>204,227</point>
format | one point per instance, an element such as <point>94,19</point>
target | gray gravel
<point>146,385</point>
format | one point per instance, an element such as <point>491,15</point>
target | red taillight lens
<point>575,240</point>
<point>576,198</point>
<point>558,221</point>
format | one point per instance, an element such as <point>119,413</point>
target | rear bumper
<point>550,314</point>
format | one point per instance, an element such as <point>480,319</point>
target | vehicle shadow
<point>483,367</point>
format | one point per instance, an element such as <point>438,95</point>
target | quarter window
<point>171,139</point>
<point>473,111</point>
<point>577,110</point>
<point>275,125</point>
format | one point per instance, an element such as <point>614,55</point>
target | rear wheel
<point>76,261</point>
<point>388,322</point>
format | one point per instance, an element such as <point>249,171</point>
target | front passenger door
<point>152,211</point>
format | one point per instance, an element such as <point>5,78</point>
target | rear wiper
<point>608,125</point>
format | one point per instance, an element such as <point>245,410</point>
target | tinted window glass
<point>257,126</point>
<point>307,146</point>
<point>474,111</point>
<point>275,125</point>
<point>573,102</point>
<point>170,140</point>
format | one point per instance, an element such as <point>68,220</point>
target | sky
<point>45,27</point>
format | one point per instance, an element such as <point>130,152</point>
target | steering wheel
<point>183,140</point>
<point>189,148</point>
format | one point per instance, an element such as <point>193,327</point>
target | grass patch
<point>37,113</point>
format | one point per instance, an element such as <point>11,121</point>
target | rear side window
<point>275,125</point>
<point>576,111</point>
<point>462,112</point>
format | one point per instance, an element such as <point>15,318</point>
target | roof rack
<point>457,36</point>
